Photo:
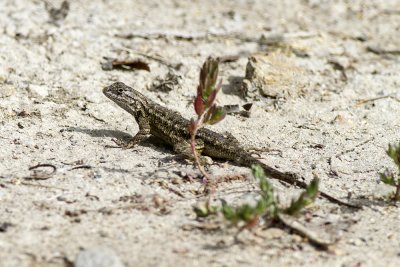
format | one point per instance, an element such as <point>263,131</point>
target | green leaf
<point>266,206</point>
<point>203,210</point>
<point>217,115</point>
<point>261,207</point>
<point>211,98</point>
<point>208,77</point>
<point>207,88</point>
<point>212,69</point>
<point>228,212</point>
<point>246,212</point>
<point>209,113</point>
<point>394,152</point>
<point>306,198</point>
<point>388,178</point>
<point>258,171</point>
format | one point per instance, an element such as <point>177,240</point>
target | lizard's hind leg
<point>184,149</point>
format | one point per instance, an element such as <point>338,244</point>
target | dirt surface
<point>325,58</point>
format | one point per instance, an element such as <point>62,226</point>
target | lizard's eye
<point>120,90</point>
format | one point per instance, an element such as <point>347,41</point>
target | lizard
<point>168,125</point>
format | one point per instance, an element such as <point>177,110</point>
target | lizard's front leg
<point>143,134</point>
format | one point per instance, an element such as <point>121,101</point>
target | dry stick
<point>36,185</point>
<point>363,101</point>
<point>176,192</point>
<point>397,194</point>
<point>303,231</point>
<point>81,167</point>
<point>153,57</point>
<point>268,38</point>
<point>193,146</point>
<point>207,177</point>
<point>338,155</point>
<point>41,176</point>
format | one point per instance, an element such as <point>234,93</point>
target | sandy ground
<point>138,203</point>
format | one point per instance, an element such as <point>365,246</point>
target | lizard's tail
<point>290,178</point>
<point>287,177</point>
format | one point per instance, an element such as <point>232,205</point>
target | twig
<point>267,38</point>
<point>397,194</point>
<point>381,51</point>
<point>338,155</point>
<point>363,101</point>
<point>303,231</point>
<point>159,59</point>
<point>81,167</point>
<point>176,192</point>
<point>36,185</point>
<point>193,146</point>
<point>94,117</point>
<point>41,175</point>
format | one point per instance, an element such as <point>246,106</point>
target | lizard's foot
<point>124,144</point>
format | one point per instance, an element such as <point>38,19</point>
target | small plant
<point>306,198</point>
<point>204,105</point>
<point>389,177</point>
<point>267,207</point>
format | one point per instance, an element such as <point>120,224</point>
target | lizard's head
<point>125,97</point>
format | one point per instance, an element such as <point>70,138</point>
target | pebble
<point>355,242</point>
<point>40,90</point>
<point>98,257</point>
<point>3,75</point>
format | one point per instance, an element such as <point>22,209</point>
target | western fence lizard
<point>171,127</point>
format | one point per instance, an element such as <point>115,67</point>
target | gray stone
<point>98,257</point>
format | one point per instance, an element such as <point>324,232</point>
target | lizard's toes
<point>122,144</point>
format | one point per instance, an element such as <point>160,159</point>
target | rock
<point>271,76</point>
<point>98,257</point>
<point>273,233</point>
<point>3,74</point>
<point>39,90</point>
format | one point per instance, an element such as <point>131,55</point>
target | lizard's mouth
<point>106,91</point>
<point>109,92</point>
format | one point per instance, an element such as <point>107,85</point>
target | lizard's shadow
<point>153,142</point>
<point>234,87</point>
<point>98,132</point>
<point>370,202</point>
